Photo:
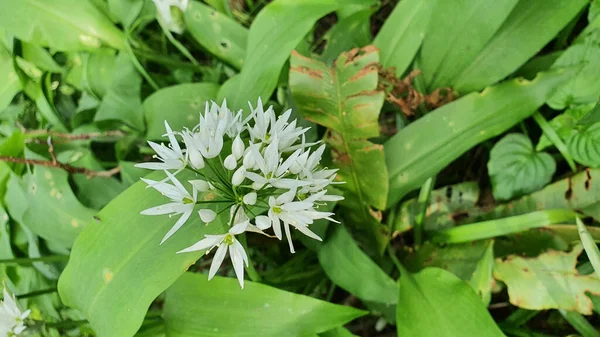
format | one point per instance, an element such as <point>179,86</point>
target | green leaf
<point>592,117</point>
<point>275,32</point>
<point>591,249</point>
<point>60,24</point>
<point>99,69</point>
<point>346,101</point>
<point>549,281</point>
<point>516,168</point>
<point>337,332</point>
<point>428,302</point>
<point>117,267</point>
<point>126,10</point>
<point>349,32</point>
<point>564,124</point>
<point>412,155</point>
<point>259,310</point>
<point>221,35</point>
<point>580,324</point>
<point>180,105</point>
<point>402,33</point>
<point>551,134</point>
<point>10,85</point>
<point>583,87</point>
<point>122,99</point>
<point>492,228</point>
<point>461,30</point>
<point>40,57</point>
<point>584,145</point>
<point>346,265</point>
<point>528,28</point>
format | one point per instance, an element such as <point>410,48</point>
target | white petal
<point>206,243</point>
<point>238,262</point>
<point>160,210</point>
<point>250,198</point>
<point>304,230</point>
<point>172,139</point>
<point>276,225</point>
<point>154,166</point>
<point>217,260</point>
<point>207,215</point>
<point>263,222</point>
<point>289,237</point>
<point>230,162</point>
<point>237,148</point>
<point>296,206</point>
<point>239,228</point>
<point>200,185</point>
<point>238,176</point>
<point>176,226</point>
<point>196,159</point>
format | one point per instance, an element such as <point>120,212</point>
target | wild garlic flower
<point>170,14</point>
<point>260,164</point>
<point>11,317</point>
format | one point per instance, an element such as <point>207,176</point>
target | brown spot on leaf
<point>368,69</point>
<point>310,72</point>
<point>588,180</point>
<point>569,191</point>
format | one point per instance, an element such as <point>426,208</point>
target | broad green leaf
<point>122,98</point>
<point>10,85</point>
<point>180,105</point>
<point>528,28</point>
<point>60,24</point>
<point>346,265</point>
<point>592,117</point>
<point>412,155</point>
<point>195,306</point>
<point>584,146</point>
<point>460,31</point>
<point>337,332</point>
<point>349,32</point>
<point>126,10</point>
<point>549,281</point>
<point>402,33</point>
<point>221,35</point>
<point>53,212</point>
<point>346,101</point>
<point>435,303</point>
<point>117,267</point>
<point>99,71</point>
<point>482,279</point>
<point>515,168</point>
<point>492,228</point>
<point>549,132</point>
<point>40,57</point>
<point>564,124</point>
<point>275,32</point>
<point>580,324</point>
<point>583,88</point>
<point>591,249</point>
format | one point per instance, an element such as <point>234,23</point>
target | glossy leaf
<point>584,145</point>
<point>528,28</point>
<point>402,33</point>
<point>428,302</point>
<point>275,32</point>
<point>221,35</point>
<point>117,267</point>
<point>180,105</point>
<point>60,24</point>
<point>515,168</point>
<point>345,100</point>
<point>460,31</point>
<point>346,264</point>
<point>258,310</point>
<point>122,98</point>
<point>549,281</point>
<point>412,155</point>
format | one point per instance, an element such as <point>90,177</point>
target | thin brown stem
<point>68,168</point>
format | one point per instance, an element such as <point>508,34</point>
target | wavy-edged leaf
<point>117,267</point>
<point>549,281</point>
<point>428,302</point>
<point>180,105</point>
<point>402,33</point>
<point>346,264</point>
<point>345,99</point>
<point>460,31</point>
<point>516,168</point>
<point>584,146</point>
<point>221,35</point>
<point>528,28</point>
<point>275,32</point>
<point>60,24</point>
<point>413,155</point>
<point>195,306</point>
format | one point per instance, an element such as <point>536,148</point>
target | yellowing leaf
<point>549,281</point>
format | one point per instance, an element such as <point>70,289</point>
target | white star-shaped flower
<point>171,157</point>
<point>11,317</point>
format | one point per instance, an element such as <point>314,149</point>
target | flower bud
<point>195,157</point>
<point>237,148</point>
<point>238,176</point>
<point>200,185</point>
<point>207,215</point>
<point>250,198</point>
<point>230,163</point>
<point>249,160</point>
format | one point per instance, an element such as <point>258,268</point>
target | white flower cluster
<point>248,165</point>
<point>170,14</point>
<point>11,318</point>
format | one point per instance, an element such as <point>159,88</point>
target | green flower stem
<point>139,66</point>
<point>178,44</point>
<point>252,273</point>
<point>37,293</point>
<point>31,260</point>
<point>423,201</point>
<point>555,139</point>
